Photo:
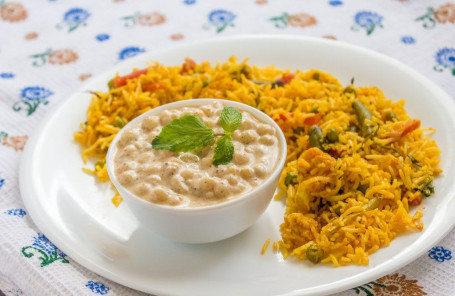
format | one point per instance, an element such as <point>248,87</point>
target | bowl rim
<point>188,103</point>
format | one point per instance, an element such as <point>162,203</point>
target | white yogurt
<point>190,179</point>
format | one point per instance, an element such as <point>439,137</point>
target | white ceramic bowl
<point>202,224</point>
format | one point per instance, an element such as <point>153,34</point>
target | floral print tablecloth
<point>48,47</point>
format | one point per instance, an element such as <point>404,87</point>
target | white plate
<point>76,214</point>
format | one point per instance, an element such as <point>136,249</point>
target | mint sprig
<point>230,119</point>
<point>189,133</point>
<point>224,150</point>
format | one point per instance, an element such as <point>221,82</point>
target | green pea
<point>332,135</point>
<point>390,116</point>
<point>314,253</point>
<point>118,122</point>
<point>290,179</point>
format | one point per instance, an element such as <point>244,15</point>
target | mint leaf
<point>230,119</point>
<point>187,133</point>
<point>224,150</point>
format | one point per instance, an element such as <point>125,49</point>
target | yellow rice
<point>324,206</point>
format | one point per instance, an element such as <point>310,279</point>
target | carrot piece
<point>153,86</point>
<point>312,120</point>
<point>287,78</point>
<point>187,66</point>
<point>121,80</point>
<point>410,127</point>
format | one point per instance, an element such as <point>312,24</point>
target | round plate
<point>76,213</point>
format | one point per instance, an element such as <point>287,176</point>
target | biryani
<point>358,167</point>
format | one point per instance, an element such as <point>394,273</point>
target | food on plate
<point>354,175</point>
<point>172,158</point>
<point>357,164</point>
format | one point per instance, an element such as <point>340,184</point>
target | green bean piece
<point>363,188</point>
<point>290,179</point>
<point>118,122</point>
<point>428,188</point>
<point>372,204</point>
<point>205,83</point>
<point>332,135</point>
<point>363,114</point>
<point>353,128</point>
<point>316,76</point>
<point>390,116</point>
<point>314,253</point>
<point>315,108</point>
<point>316,137</point>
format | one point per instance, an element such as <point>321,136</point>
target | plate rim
<point>339,285</point>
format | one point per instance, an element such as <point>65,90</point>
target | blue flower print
<point>42,242</point>
<point>220,19</point>
<point>367,20</point>
<point>102,37</point>
<point>440,254</point>
<point>76,16</point>
<point>189,2</point>
<point>73,18</point>
<point>45,250</point>
<point>97,287</point>
<point>16,212</point>
<point>35,93</point>
<point>445,59</point>
<point>2,182</point>
<point>408,40</point>
<point>31,98</point>
<point>336,2</point>
<point>129,52</point>
<point>6,75</point>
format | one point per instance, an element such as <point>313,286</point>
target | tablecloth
<point>49,47</point>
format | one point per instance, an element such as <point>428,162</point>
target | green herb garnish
<point>230,119</point>
<point>224,150</point>
<point>189,133</point>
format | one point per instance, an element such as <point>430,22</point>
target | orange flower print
<point>55,57</point>
<point>397,285</point>
<point>177,36</point>
<point>261,2</point>
<point>445,13</point>
<point>301,20</point>
<point>62,56</point>
<point>295,20</point>
<point>31,36</point>
<point>86,76</point>
<point>146,19</point>
<point>151,19</point>
<point>13,12</point>
<point>331,37</point>
<point>17,142</point>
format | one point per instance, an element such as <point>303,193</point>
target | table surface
<point>49,47</point>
